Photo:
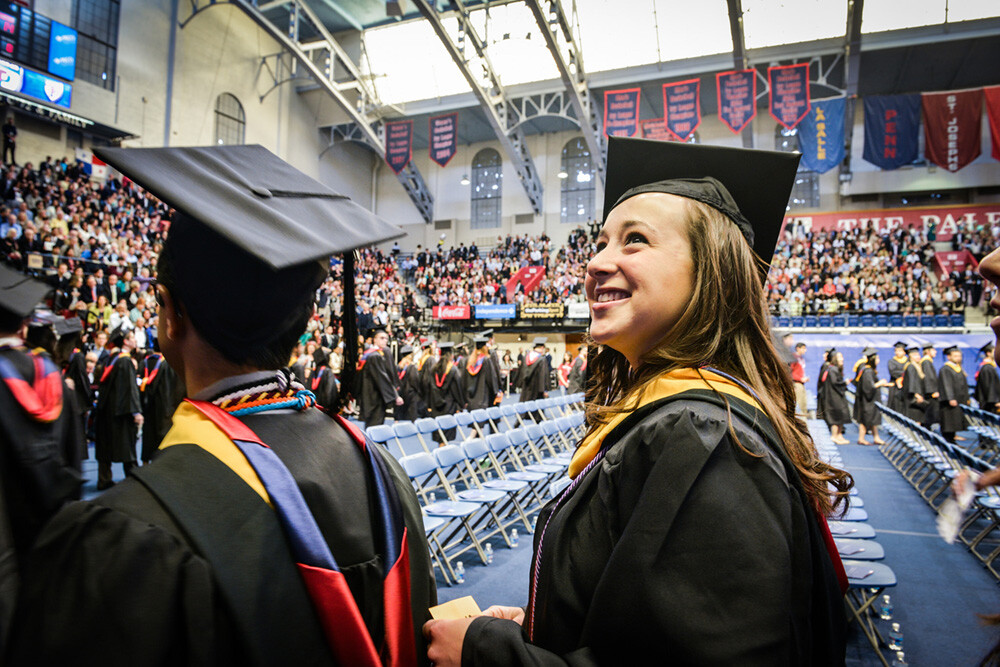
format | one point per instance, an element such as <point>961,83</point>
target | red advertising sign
<point>451,312</point>
<point>789,93</point>
<point>655,128</point>
<point>943,220</point>
<point>682,108</point>
<point>946,262</point>
<point>952,127</point>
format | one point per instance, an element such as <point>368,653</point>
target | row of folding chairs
<point>491,478</point>
<point>986,425</point>
<point>867,577</point>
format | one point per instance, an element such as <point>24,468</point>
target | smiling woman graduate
<point>693,531</point>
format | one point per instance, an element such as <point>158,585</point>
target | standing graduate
<point>378,386</point>
<point>481,383</point>
<point>265,532</point>
<point>821,386</point>
<point>954,386</point>
<point>578,373</point>
<point>896,364</point>
<point>408,384</point>
<point>987,381</point>
<point>40,438</point>
<point>692,530</point>
<point>425,376</point>
<point>161,392</point>
<point>837,412</point>
<point>78,373</point>
<point>323,384</point>
<point>868,389</point>
<point>447,393</point>
<point>118,412</point>
<point>494,366</point>
<point>534,375</point>
<point>913,386</point>
<point>931,393</point>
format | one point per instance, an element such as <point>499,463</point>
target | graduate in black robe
<point>78,373</point>
<point>193,561</point>
<point>323,383</point>
<point>895,366</point>
<point>408,385</point>
<point>481,383</point>
<point>534,376</point>
<point>988,382</point>
<point>424,378</point>
<point>118,412</point>
<point>931,393</point>
<point>494,366</point>
<point>447,390</point>
<point>578,372</point>
<point>866,397</point>
<point>161,392</point>
<point>954,386</point>
<point>821,386</point>
<point>837,412</point>
<point>378,386</point>
<point>913,386</point>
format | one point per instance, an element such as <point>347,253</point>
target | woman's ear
<point>173,324</point>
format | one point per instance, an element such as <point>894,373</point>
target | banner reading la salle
<point>821,135</point>
<point>952,127</point>
<point>944,220</point>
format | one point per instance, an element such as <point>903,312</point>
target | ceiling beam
<point>852,69</point>
<point>489,92</point>
<point>573,75</point>
<point>740,59</point>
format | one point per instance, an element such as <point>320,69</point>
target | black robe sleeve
<point>988,387</point>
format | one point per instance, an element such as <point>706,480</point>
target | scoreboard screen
<point>37,41</point>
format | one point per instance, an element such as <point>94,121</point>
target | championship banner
<point>496,311</point>
<point>943,220</point>
<point>736,93</point>
<point>443,131</point>
<point>451,312</point>
<point>621,112</point>
<point>682,108</point>
<point>952,127</point>
<point>578,310</point>
<point>788,96</point>
<point>655,128</point>
<point>536,311</point>
<point>891,124</point>
<point>821,135</point>
<point>398,144</point>
<point>992,95</point>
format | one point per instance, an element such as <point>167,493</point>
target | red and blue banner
<point>891,126</point>
<point>398,144</point>
<point>992,95</point>
<point>682,108</point>
<point>736,93</point>
<point>655,128</point>
<point>789,93</point>
<point>621,112</point>
<point>821,135</point>
<point>952,127</point>
<point>444,137</point>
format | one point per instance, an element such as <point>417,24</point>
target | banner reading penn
<point>952,127</point>
<point>398,144</point>
<point>736,93</point>
<point>821,135</point>
<point>444,137</point>
<point>891,125</point>
<point>655,128</point>
<point>682,108</point>
<point>789,94</point>
<point>992,95</point>
<point>621,112</point>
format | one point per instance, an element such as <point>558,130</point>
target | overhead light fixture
<point>562,174</point>
<point>465,179</point>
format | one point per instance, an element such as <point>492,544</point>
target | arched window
<point>577,191</point>
<point>230,121</point>
<point>487,188</point>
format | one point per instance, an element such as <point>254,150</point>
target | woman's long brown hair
<point>726,326</point>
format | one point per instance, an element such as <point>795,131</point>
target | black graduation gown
<point>447,393</point>
<point>161,395</point>
<point>413,406</point>
<point>534,378</point>
<point>954,386</point>
<point>821,391</point>
<point>378,390</point>
<point>677,548</point>
<point>39,461</point>
<point>83,394</point>
<point>837,411</point>
<point>895,399</point>
<point>988,387</point>
<point>866,410</point>
<point>115,581</point>
<point>425,377</point>
<point>117,402</point>
<point>913,384</point>
<point>932,413</point>
<point>577,377</point>
<point>494,368</point>
<point>481,386</point>
<point>323,384</point>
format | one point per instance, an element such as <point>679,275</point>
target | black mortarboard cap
<point>19,294</point>
<point>869,351</point>
<point>750,186</point>
<point>117,336</point>
<point>65,326</point>
<point>251,238</point>
<point>541,340</point>
<point>480,341</point>
<point>488,333</point>
<point>927,346</point>
<point>899,343</point>
<point>951,348</point>
<point>913,348</point>
<point>989,347</point>
<point>446,347</point>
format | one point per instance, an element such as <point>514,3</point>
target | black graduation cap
<point>488,333</point>
<point>541,340</point>
<point>986,349</point>
<point>446,347</point>
<point>751,187</point>
<point>65,326</point>
<point>868,352</point>
<point>927,346</point>
<point>480,341</point>
<point>951,348</point>
<point>117,336</point>
<point>913,348</point>
<point>19,294</point>
<point>899,343</point>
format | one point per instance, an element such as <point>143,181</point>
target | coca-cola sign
<point>451,312</point>
<point>944,221</point>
